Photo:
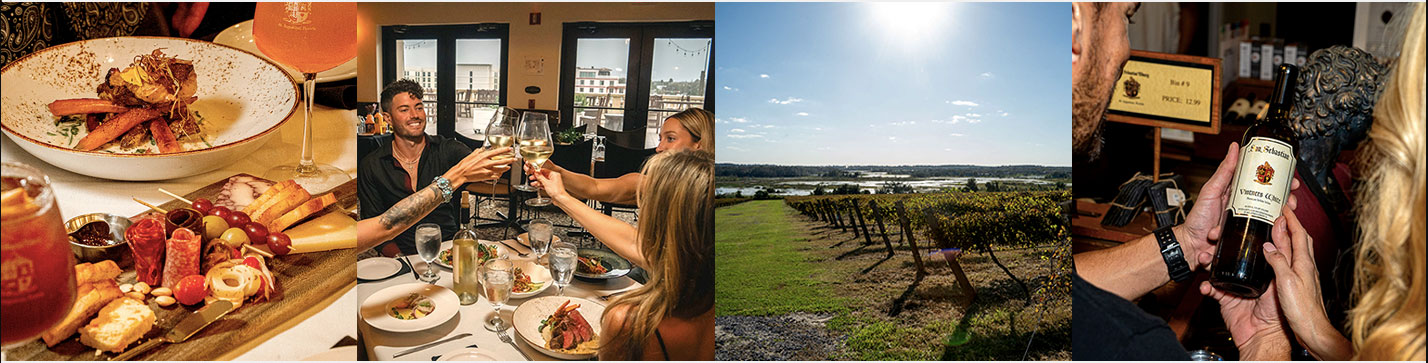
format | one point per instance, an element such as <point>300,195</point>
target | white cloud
<point>802,114</point>
<point>763,76</point>
<point>955,135</point>
<point>786,100</point>
<point>987,75</point>
<point>735,148</point>
<point>768,126</point>
<point>946,149</point>
<point>737,130</point>
<point>892,138</point>
<point>974,115</point>
<point>963,103</point>
<point>817,129</point>
<point>902,123</point>
<point>1003,113</point>
<point>743,136</point>
<point>727,88</point>
<point>738,119</point>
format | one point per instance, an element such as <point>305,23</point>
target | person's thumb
<point>1278,261</point>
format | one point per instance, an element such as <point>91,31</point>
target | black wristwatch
<point>1173,255</point>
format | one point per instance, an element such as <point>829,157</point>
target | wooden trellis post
<point>907,235</point>
<point>878,216</point>
<point>862,222</point>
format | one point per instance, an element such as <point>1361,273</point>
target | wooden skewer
<point>154,207</point>
<point>176,196</point>
<point>257,251</point>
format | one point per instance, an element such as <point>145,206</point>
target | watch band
<point>1173,255</point>
<point>444,186</point>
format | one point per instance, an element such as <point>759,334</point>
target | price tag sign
<point>1168,90</point>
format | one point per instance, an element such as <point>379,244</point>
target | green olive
<point>213,226</point>
<point>234,237</point>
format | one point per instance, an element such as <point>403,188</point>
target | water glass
<point>540,232</point>
<point>562,264</point>
<point>428,244</point>
<point>497,280</point>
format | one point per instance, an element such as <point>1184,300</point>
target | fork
<point>513,249</point>
<point>607,297</point>
<point>506,337</point>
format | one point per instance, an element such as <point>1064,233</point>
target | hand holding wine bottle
<point>1205,221</point>
<point>1301,299</point>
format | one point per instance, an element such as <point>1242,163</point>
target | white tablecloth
<point>334,143</point>
<point>381,345</point>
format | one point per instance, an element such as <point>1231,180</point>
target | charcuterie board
<point>306,283</point>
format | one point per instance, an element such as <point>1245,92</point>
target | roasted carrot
<point>84,105</point>
<point>114,127</point>
<point>163,136</point>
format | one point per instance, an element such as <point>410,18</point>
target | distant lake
<point>805,187</point>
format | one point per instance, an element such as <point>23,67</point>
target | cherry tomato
<point>257,233</point>
<point>202,205</point>
<point>237,219</point>
<point>191,290</point>
<point>253,262</point>
<point>279,243</point>
<point>221,212</point>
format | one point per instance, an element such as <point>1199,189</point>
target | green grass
<point>759,266</point>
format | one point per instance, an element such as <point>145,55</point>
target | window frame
<point>637,90</point>
<point>446,37</point>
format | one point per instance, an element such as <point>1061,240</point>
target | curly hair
<point>400,86</point>
<point>1387,320</point>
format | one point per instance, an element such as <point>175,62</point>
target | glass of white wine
<point>536,148</point>
<point>497,280</point>
<point>500,132</point>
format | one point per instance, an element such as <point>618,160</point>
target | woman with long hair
<point>689,129</point>
<point>1387,318</point>
<point>671,317</point>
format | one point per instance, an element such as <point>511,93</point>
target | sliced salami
<point>181,256</point>
<point>146,241</point>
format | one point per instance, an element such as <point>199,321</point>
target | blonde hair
<point>1387,320</point>
<point>676,236</point>
<point>700,124</point>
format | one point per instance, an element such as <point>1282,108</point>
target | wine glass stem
<point>308,84</point>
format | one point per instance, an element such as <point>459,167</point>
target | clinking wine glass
<point>536,148</point>
<point>497,279</point>
<point>500,132</point>
<point>520,127</point>
<point>311,37</point>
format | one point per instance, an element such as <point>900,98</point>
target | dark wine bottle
<point>1257,194</point>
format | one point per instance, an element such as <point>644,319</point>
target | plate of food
<point>561,327</point>
<point>168,107</point>
<point>241,36</point>
<point>485,252</point>
<point>597,264</point>
<point>410,307</point>
<point>531,279</point>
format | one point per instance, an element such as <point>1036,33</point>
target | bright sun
<point>907,22</point>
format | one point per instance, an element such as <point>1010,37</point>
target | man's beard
<point>400,131</point>
<point>1089,100</point>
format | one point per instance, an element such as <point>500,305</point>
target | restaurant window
<point>461,69</point>
<point>637,74</point>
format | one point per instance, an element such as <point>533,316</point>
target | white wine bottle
<point>1257,194</point>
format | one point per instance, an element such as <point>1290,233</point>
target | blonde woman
<point>671,317</point>
<point>688,129</point>
<point>1387,320</point>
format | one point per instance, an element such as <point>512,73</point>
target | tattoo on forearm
<point>411,208</point>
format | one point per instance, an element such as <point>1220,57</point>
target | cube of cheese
<point>119,324</point>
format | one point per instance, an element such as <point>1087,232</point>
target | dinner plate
<point>377,268</point>
<point>539,274</point>
<point>446,247</point>
<point>468,354</point>
<point>241,36</point>
<point>530,313</point>
<point>374,309</point>
<point>242,100</point>
<point>347,353</point>
<point>617,265</point>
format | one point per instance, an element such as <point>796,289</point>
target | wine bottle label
<point>1261,184</point>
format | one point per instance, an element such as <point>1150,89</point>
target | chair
<point>368,144</point>
<point>574,157</point>
<point>619,161</point>
<point>631,139</point>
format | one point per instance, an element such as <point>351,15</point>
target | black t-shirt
<point>1107,327</point>
<point>381,183</point>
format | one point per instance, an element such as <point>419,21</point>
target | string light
<point>687,52</point>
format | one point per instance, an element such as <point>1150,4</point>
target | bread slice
<point>281,204</point>
<point>301,212</point>
<point>92,297</point>
<point>86,273</point>
<point>121,323</point>
<point>267,197</point>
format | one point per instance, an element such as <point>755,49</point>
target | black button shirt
<point>1107,327</point>
<point>381,183</point>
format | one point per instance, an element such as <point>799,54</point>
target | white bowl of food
<point>533,321</point>
<point>532,280</point>
<point>235,102</point>
<point>410,307</point>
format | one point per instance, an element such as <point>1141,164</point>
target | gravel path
<point>795,336</point>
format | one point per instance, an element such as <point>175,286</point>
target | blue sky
<point>894,84</point>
